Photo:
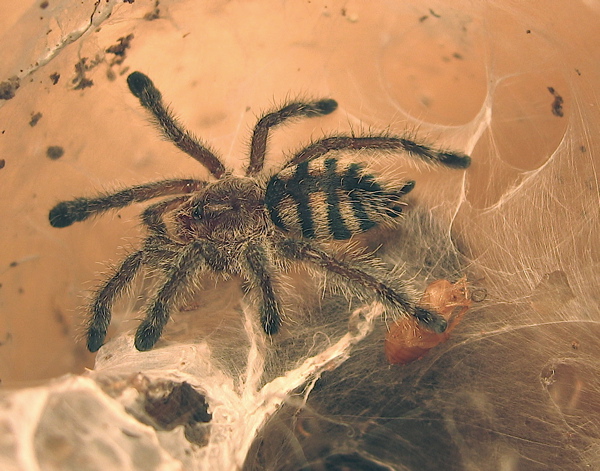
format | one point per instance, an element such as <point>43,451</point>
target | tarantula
<point>248,226</point>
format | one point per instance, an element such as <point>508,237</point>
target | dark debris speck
<point>55,152</point>
<point>81,81</point>
<point>8,88</point>
<point>119,49</point>
<point>154,14</point>
<point>35,117</point>
<point>557,108</point>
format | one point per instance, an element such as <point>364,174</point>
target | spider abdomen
<point>326,197</point>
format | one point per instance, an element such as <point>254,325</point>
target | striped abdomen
<point>326,198</point>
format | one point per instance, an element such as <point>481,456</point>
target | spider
<point>254,226</point>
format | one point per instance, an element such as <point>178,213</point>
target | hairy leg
<point>151,99</point>
<point>152,217</point>
<point>259,276</point>
<point>258,145</point>
<point>382,143</point>
<point>68,212</point>
<point>105,297</point>
<point>159,248</point>
<point>304,251</point>
<point>191,259</point>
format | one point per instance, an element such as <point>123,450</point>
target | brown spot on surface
<point>120,49</point>
<point>7,338</point>
<point>557,109</point>
<point>8,88</point>
<point>154,14</point>
<point>54,152</point>
<point>81,81</point>
<point>35,117</point>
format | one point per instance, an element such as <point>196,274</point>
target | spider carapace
<point>254,226</point>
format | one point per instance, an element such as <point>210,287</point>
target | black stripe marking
<point>334,217</point>
<point>358,186</point>
<point>274,195</point>
<point>367,202</point>
<point>299,187</point>
<point>353,179</point>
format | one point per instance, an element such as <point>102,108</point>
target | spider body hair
<point>254,227</point>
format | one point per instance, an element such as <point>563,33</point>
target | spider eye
<point>198,212</point>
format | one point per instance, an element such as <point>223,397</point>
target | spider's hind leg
<point>381,143</point>
<point>396,296</point>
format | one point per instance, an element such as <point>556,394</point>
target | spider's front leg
<point>152,217</point>
<point>191,259</point>
<point>150,98</point>
<point>304,251</point>
<point>68,212</point>
<point>258,145</point>
<point>259,269</point>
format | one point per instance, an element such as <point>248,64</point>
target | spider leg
<point>102,304</point>
<point>151,99</point>
<point>259,270</point>
<point>152,215</point>
<point>304,251</point>
<point>68,212</point>
<point>258,145</point>
<point>384,143</point>
<point>159,248</point>
<point>191,259</point>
